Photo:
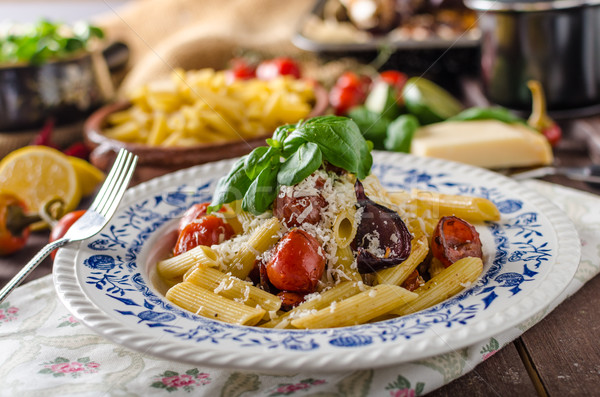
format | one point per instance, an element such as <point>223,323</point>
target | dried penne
<point>448,282</point>
<point>358,309</point>
<point>233,288</point>
<point>208,304</point>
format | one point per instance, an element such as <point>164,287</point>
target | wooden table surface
<point>560,356</point>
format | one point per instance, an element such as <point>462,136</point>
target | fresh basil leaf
<point>231,187</point>
<point>262,191</point>
<point>283,131</point>
<point>291,144</point>
<point>307,159</point>
<point>401,132</point>
<point>372,125</point>
<point>256,161</point>
<point>340,141</point>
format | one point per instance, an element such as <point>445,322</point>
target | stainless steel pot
<point>66,90</point>
<point>554,42</point>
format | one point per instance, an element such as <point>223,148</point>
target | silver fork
<point>91,222</point>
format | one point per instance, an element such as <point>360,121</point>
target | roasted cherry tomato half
<point>62,226</point>
<point>240,69</point>
<point>413,281</point>
<point>194,212</point>
<point>454,239</point>
<point>291,210</point>
<point>290,299</point>
<point>207,230</point>
<point>297,263</point>
<point>13,236</point>
<point>282,66</point>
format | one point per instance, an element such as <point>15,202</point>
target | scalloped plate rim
<point>69,290</point>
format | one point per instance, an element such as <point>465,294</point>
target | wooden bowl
<point>155,160</point>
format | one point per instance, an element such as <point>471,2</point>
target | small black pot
<point>65,90</point>
<point>554,42</point>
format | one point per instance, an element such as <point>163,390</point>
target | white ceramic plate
<point>106,281</point>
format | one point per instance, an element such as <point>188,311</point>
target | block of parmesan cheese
<point>484,143</point>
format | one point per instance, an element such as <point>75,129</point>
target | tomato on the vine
<point>240,69</point>
<point>350,90</point>
<point>395,79</point>
<point>281,66</point>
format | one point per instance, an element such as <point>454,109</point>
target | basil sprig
<point>293,153</point>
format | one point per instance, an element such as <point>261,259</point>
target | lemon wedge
<point>88,176</point>
<point>37,174</point>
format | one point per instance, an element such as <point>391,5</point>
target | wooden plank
<point>564,347</point>
<point>503,374</point>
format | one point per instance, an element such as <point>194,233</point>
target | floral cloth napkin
<point>44,351</point>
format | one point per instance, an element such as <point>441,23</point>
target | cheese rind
<point>483,143</point>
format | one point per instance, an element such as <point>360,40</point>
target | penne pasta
<point>208,304</point>
<point>344,227</point>
<point>436,205</point>
<point>443,285</point>
<point>233,288</point>
<point>261,239</point>
<point>358,309</point>
<point>346,265</point>
<point>397,274</point>
<point>178,265</point>
<point>337,293</point>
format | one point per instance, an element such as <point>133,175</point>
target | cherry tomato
<point>553,134</point>
<point>454,239</point>
<point>240,69</point>
<point>350,90</point>
<point>194,212</point>
<point>282,66</point>
<point>297,263</point>
<point>413,281</point>
<point>290,299</point>
<point>208,230</point>
<point>397,80</point>
<point>290,210</point>
<point>63,225</point>
<point>12,236</point>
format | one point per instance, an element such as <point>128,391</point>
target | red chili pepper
<point>63,225</point>
<point>539,118</point>
<point>14,223</point>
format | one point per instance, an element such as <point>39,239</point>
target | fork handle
<point>30,266</point>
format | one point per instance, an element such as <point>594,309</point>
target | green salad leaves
<point>45,41</point>
<point>293,153</point>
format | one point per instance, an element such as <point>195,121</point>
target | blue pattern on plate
<point>112,268</point>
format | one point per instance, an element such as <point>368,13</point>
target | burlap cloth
<point>191,34</point>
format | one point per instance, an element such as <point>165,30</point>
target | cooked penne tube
<point>345,261</point>
<point>208,304</point>
<point>178,265</point>
<point>358,309</point>
<point>344,227</point>
<point>338,292</point>
<point>233,288</point>
<point>261,240</point>
<point>397,274</point>
<point>448,282</point>
<point>436,205</point>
